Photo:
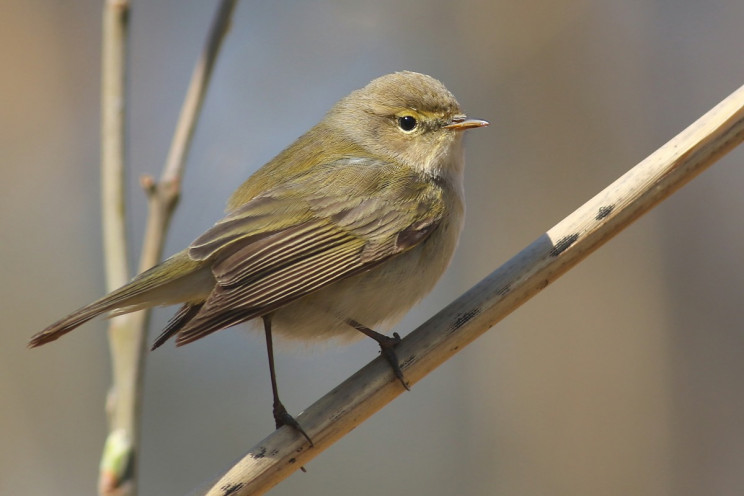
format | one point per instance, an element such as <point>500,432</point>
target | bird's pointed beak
<point>461,123</point>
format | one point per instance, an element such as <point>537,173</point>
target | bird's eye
<point>407,123</point>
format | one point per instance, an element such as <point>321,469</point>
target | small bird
<point>343,231</point>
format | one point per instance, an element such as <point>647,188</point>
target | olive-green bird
<point>341,232</point>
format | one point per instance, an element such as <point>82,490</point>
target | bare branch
<point>163,195</point>
<point>127,333</point>
<point>499,294</point>
<point>113,106</point>
<point>195,95</point>
<point>117,456</point>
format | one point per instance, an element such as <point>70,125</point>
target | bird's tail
<point>176,280</point>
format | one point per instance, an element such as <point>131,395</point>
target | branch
<point>496,296</point>
<point>113,105</point>
<point>127,333</point>
<point>117,457</point>
<point>164,194</point>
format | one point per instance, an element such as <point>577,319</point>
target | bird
<point>339,234</point>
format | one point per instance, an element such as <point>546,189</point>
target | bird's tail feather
<point>156,286</point>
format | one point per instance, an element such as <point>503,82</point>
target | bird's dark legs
<point>281,416</point>
<point>387,347</point>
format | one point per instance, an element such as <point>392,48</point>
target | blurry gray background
<point>623,377</point>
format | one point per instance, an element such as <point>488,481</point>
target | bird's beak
<point>461,123</point>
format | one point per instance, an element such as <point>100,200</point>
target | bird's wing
<point>343,218</point>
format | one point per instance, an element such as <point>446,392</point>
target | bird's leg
<point>281,416</point>
<point>387,347</point>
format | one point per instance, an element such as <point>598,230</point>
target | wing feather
<point>301,236</point>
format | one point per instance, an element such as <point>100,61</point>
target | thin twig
<point>117,457</point>
<point>499,294</point>
<point>113,107</point>
<point>195,94</point>
<point>127,336</point>
<point>164,194</point>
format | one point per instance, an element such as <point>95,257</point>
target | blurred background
<point>623,377</point>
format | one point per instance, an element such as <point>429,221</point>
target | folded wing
<point>344,218</point>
